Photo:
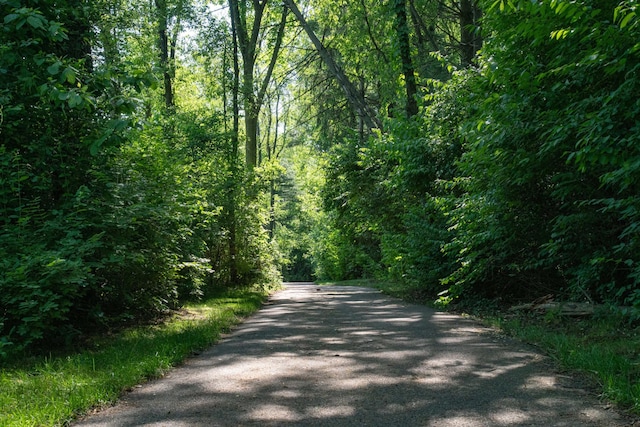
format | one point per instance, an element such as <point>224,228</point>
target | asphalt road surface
<point>350,356</point>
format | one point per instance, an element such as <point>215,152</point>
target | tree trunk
<point>354,98</point>
<point>248,44</point>
<point>402,30</point>
<point>470,40</point>
<point>171,66</point>
<point>163,44</point>
<point>251,126</point>
<point>233,161</point>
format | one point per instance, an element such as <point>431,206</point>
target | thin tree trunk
<point>423,32</point>
<point>275,132</point>
<point>274,57</point>
<point>273,153</point>
<point>402,30</point>
<point>361,123</point>
<point>235,93</point>
<point>233,161</point>
<point>247,48</point>
<point>470,40</point>
<point>354,98</point>
<point>163,44</point>
<point>272,213</point>
<point>225,85</point>
<point>173,43</point>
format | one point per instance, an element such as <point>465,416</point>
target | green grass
<point>605,346</point>
<point>53,391</point>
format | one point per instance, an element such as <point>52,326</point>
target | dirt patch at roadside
<point>350,356</point>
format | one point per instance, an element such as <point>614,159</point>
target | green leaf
<point>54,69</point>
<point>559,34</point>
<point>10,18</point>
<point>74,100</point>
<point>56,32</point>
<point>69,75</point>
<point>20,23</point>
<point>497,3</point>
<point>625,21</point>
<point>94,148</point>
<point>35,21</point>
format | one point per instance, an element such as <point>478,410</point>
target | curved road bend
<point>350,356</point>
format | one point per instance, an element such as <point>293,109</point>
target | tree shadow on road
<point>348,356</point>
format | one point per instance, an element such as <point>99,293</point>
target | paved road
<point>348,356</point>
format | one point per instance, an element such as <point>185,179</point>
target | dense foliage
<point>387,144</point>
<point>519,176</point>
<point>116,205</point>
<point>550,162</point>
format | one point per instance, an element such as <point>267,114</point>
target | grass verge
<point>605,346</point>
<point>53,391</point>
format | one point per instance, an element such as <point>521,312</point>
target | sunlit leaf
<point>627,19</point>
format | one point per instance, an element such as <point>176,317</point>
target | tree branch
<point>274,57</point>
<point>354,98</point>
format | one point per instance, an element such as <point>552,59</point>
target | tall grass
<point>54,390</point>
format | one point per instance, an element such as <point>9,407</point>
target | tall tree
<point>233,158</point>
<point>164,48</point>
<point>402,30</point>
<point>470,38</point>
<point>249,44</point>
<point>169,18</point>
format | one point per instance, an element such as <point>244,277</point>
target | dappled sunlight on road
<point>345,356</point>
